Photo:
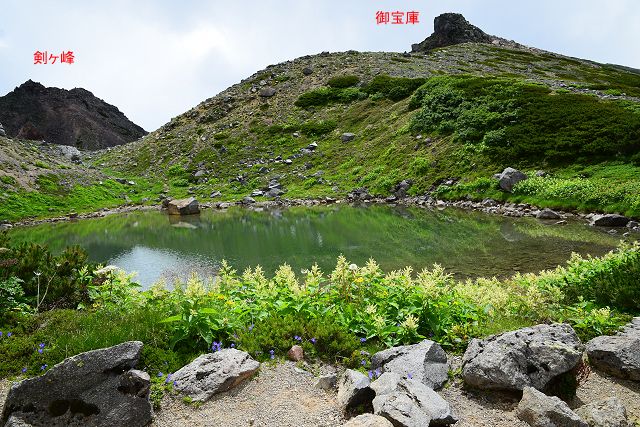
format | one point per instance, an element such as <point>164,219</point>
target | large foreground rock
<point>618,355</point>
<point>509,178</point>
<point>607,413</point>
<point>354,390</point>
<point>409,403</point>
<point>526,357</point>
<point>539,410</point>
<point>425,362</point>
<point>610,220</point>
<point>183,207</point>
<point>214,373</point>
<point>96,388</point>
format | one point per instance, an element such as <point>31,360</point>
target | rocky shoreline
<point>617,224</point>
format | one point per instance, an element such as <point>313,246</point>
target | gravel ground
<point>278,396</point>
<point>5,385</point>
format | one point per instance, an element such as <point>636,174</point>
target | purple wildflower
<point>363,340</point>
<point>43,367</point>
<point>410,375</point>
<point>160,374</point>
<point>313,340</point>
<point>363,362</point>
<point>216,346</point>
<point>9,334</point>
<point>377,372</point>
<point>41,345</point>
<point>233,345</point>
<point>272,354</point>
<point>370,375</point>
<point>24,370</point>
<point>40,350</point>
<point>175,383</point>
<point>0,334</point>
<point>168,379</point>
<point>251,327</point>
<point>297,338</point>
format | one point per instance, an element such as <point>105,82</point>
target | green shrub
<point>180,182</point>
<point>319,128</point>
<point>6,179</point>
<point>176,171</point>
<point>526,122</point>
<point>394,88</point>
<point>12,297</point>
<point>47,281</point>
<point>326,95</point>
<point>341,82</point>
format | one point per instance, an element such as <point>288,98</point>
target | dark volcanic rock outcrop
<point>67,117</point>
<point>453,28</point>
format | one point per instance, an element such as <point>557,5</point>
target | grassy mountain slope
<point>570,117</point>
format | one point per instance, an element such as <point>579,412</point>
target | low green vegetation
<point>53,198</point>
<point>340,317</point>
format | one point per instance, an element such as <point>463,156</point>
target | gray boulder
<point>354,390</point>
<point>607,413</point>
<point>425,362</point>
<point>539,410</point>
<point>510,177</point>
<point>267,92</point>
<point>214,373</point>
<point>183,207</point>
<point>529,357</point>
<point>2,132</point>
<point>368,420</point>
<point>97,388</point>
<point>347,136</point>
<point>407,402</point>
<point>248,200</point>
<point>307,71</point>
<point>71,153</point>
<point>548,214</point>
<point>619,354</point>
<point>610,220</point>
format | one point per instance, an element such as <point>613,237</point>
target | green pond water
<point>467,244</point>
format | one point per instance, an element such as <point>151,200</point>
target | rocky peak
<point>450,29</point>
<point>68,117</point>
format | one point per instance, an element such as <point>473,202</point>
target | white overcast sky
<point>156,59</point>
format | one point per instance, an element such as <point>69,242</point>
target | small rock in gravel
<point>539,410</point>
<point>327,382</point>
<point>607,413</point>
<point>296,353</point>
<point>368,420</point>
